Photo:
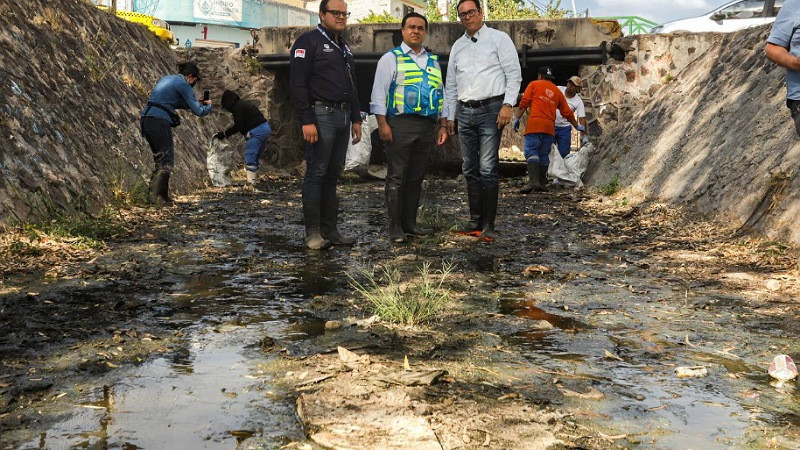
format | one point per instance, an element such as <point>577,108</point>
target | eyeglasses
<point>467,14</point>
<point>338,14</point>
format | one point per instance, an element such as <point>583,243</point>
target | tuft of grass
<point>612,187</point>
<point>252,66</point>
<point>133,82</point>
<point>78,225</point>
<point>137,194</point>
<point>410,303</point>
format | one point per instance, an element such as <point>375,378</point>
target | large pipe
<point>527,55</point>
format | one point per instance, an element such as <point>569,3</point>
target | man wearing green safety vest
<point>407,98</point>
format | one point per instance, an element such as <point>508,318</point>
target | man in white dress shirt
<point>483,79</point>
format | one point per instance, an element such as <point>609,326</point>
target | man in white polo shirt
<point>563,127</point>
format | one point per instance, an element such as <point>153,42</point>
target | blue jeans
<point>325,158</point>
<point>256,140</point>
<point>480,142</point>
<point>564,140</point>
<point>537,148</point>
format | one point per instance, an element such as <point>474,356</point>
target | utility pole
<point>574,9</point>
<point>485,10</point>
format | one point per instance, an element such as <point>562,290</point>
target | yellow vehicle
<point>157,26</point>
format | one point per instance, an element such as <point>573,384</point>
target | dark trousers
<point>413,138</point>
<point>158,134</point>
<point>794,108</point>
<point>325,158</point>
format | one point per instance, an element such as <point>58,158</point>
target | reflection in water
<point>526,309</point>
<point>208,396</point>
<point>181,359</point>
<point>318,275</point>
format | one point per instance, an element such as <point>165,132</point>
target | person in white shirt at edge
<point>563,127</point>
<point>408,98</point>
<point>483,79</point>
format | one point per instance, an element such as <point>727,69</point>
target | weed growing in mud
<point>612,187</point>
<point>408,303</point>
<point>137,194</point>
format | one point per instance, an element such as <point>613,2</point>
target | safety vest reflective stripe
<point>415,90</point>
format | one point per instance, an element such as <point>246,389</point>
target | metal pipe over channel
<point>528,56</point>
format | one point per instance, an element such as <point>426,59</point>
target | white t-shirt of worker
<point>575,104</point>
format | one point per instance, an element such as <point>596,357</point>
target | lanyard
<point>344,51</point>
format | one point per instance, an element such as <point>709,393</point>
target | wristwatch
<point>508,104</point>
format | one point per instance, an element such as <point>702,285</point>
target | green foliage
<point>137,194</point>
<point>405,303</point>
<point>503,10</point>
<point>612,187</point>
<point>384,17</point>
<point>253,67</point>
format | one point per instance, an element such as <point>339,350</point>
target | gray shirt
<point>386,72</point>
<point>484,68</point>
<point>785,34</point>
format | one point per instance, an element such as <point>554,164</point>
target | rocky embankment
<point>73,80</point>
<point>717,138</point>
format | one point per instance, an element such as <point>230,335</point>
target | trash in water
<point>782,368</point>
<point>691,372</point>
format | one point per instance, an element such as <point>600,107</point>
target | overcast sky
<point>656,10</point>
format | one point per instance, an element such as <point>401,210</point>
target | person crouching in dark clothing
<point>158,117</point>
<point>250,122</point>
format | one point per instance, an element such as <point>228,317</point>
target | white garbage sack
<point>568,171</point>
<point>358,155</point>
<point>220,162</point>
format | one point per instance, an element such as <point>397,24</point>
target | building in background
<point>362,8</point>
<point>220,23</point>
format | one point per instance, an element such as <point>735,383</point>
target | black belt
<point>479,103</point>
<point>344,106</point>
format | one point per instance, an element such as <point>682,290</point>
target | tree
<point>384,17</point>
<point>504,10</point>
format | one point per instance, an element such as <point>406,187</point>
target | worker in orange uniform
<point>544,98</point>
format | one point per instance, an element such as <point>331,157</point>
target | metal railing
<point>634,24</point>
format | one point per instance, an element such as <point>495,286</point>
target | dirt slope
<point>718,138</point>
<point>73,80</point>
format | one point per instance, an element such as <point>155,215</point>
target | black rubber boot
<point>542,178</point>
<point>394,207</point>
<point>164,187</point>
<point>475,198</point>
<point>153,187</point>
<point>411,195</point>
<point>159,188</point>
<point>533,179</point>
<point>311,215</point>
<point>490,212</point>
<point>328,224</point>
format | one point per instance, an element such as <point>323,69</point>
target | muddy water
<point>235,286</point>
<point>626,345</point>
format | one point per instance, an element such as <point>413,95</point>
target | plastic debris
<point>782,368</point>
<point>691,372</point>
<point>219,162</point>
